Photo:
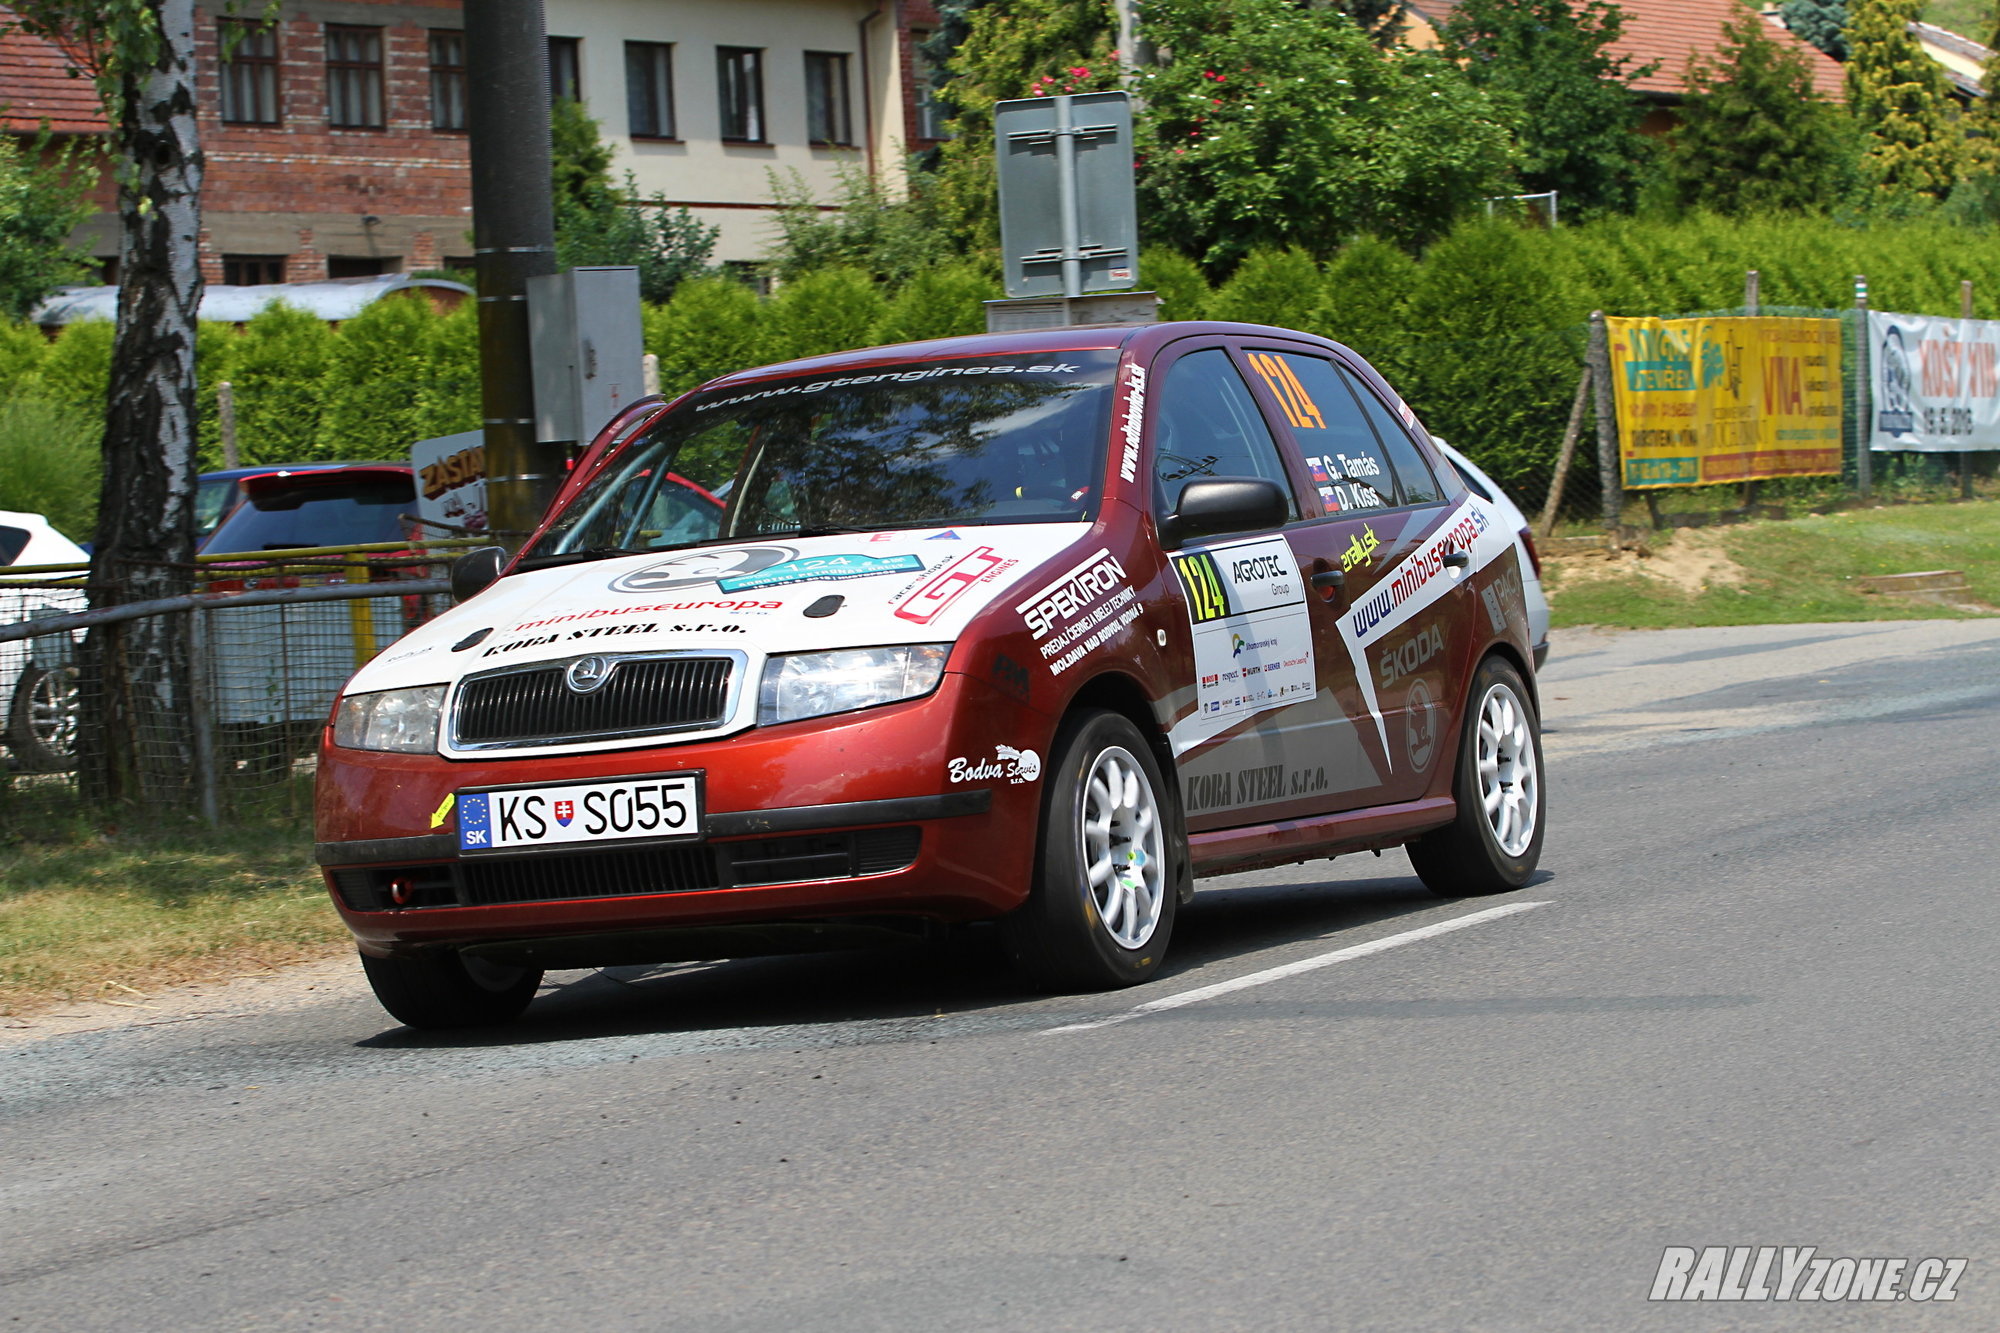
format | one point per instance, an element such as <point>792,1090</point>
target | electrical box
<point>588,350</point>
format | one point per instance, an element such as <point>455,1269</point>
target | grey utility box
<point>588,349</point>
<point>1068,220</point>
<point>1061,312</point>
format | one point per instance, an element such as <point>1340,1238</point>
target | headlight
<point>405,720</point>
<point>814,684</point>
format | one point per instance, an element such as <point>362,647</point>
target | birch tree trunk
<point>138,735</point>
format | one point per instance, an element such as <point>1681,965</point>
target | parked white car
<point>1524,537</point>
<point>38,676</point>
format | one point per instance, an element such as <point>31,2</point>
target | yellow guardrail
<point>269,557</point>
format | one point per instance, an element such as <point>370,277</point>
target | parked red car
<point>1031,628</point>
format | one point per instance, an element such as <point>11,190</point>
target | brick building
<point>336,143</point>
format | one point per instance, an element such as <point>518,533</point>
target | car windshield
<point>1003,439</point>
<point>333,513</point>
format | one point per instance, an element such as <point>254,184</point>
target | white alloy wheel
<point>1508,780</point>
<point>1119,844</point>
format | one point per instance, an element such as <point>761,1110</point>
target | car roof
<point>45,545</point>
<point>238,473</point>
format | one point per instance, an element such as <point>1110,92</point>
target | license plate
<point>663,806</point>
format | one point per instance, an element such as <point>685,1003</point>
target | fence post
<point>1611,483</point>
<point>225,413</point>
<point>202,717</point>
<point>1750,285</point>
<point>1965,456</point>
<point>1574,429</point>
<point>649,373</point>
<point>1864,465</point>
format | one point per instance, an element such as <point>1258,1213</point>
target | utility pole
<point>513,235</point>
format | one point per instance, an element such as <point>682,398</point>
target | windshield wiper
<point>577,557</point>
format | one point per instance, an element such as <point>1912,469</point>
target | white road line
<point>1312,964</point>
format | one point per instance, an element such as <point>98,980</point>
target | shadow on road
<point>1230,918</point>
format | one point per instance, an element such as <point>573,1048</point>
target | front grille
<point>679,868</point>
<point>643,694</point>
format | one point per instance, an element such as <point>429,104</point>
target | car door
<point>1269,737</point>
<point>1380,500</point>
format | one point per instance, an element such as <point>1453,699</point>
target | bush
<point>1363,299</point>
<point>76,369</point>
<point>712,326</point>
<point>1184,292</point>
<point>1278,287</point>
<point>396,375</point>
<point>829,310</point>
<point>938,303</point>
<point>277,365</point>
<point>22,348</point>
<point>49,463</point>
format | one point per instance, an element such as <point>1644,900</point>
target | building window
<point>649,90</point>
<point>353,77</point>
<point>829,118</point>
<point>252,270</point>
<point>447,79</point>
<point>739,76</point>
<point>565,68</point>
<point>249,72</point>
<point>933,116</point>
<point>361,266</point>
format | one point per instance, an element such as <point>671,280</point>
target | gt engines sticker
<point>1015,766</point>
<point>1252,639</point>
<point>927,603</point>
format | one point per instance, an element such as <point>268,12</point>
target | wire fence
<point>268,642</point>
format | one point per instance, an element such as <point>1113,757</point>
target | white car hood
<point>920,586</point>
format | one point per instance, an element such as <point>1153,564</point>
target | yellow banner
<point>1733,398</point>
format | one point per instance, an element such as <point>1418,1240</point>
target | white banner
<point>1934,383</point>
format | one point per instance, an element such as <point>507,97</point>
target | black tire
<point>449,990</point>
<point>41,719</point>
<point>1070,936</point>
<point>1470,857</point>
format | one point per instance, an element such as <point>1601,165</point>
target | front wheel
<point>450,990</point>
<point>1102,906</point>
<point>1495,842</point>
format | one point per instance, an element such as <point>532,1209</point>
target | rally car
<point>1033,629</point>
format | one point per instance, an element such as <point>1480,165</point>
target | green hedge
<point>1483,333</point>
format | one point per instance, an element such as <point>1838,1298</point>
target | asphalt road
<point>1756,1007</point>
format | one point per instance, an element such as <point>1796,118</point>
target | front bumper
<point>875,836</point>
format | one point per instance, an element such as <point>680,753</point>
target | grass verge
<point>86,914</point>
<point>1774,573</point>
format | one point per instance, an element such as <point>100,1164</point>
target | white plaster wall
<point>701,169</point>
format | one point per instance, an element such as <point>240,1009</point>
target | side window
<point>1349,469</point>
<point>1420,486</point>
<point>1206,424</point>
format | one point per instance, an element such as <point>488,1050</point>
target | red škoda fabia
<point>1033,629</point>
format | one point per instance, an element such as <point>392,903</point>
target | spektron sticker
<point>1086,606</point>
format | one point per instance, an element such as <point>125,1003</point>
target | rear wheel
<point>450,990</point>
<point>1495,842</point>
<point>41,719</point>
<point>1106,886</point>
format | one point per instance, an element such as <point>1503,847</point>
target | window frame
<point>840,99</point>
<point>755,119</point>
<point>265,71</point>
<point>447,76</point>
<point>239,262</point>
<point>659,61</point>
<point>1292,447</point>
<point>1157,373</point>
<point>372,75</point>
<point>930,114</point>
<point>566,66</point>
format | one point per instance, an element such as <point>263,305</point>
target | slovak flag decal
<point>565,812</point>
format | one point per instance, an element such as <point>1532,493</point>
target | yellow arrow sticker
<point>438,815</point>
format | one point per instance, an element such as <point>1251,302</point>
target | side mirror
<point>475,571</point>
<point>1226,504</point>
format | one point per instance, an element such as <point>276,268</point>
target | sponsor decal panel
<point>833,568</point>
<point>1408,655</point>
<point>1007,765</point>
<point>708,565</point>
<point>980,565</point>
<point>1135,420</point>
<point>905,376</point>
<point>1421,716</point>
<point>1800,1273</point>
<point>1261,784</point>
<point>726,606</point>
<point>1252,637</point>
<point>604,631</point>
